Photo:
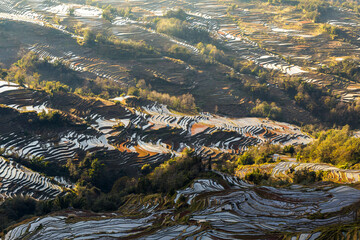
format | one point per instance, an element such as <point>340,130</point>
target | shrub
<point>335,146</point>
<point>264,109</point>
<point>306,176</point>
<point>256,176</point>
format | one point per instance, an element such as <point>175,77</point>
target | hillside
<point>193,119</point>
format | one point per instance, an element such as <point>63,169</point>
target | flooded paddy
<point>238,213</point>
<point>331,173</point>
<point>214,132</point>
<point>16,180</point>
<point>152,134</point>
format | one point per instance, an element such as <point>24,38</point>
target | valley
<point>192,119</point>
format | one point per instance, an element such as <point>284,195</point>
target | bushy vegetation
<point>52,117</point>
<point>19,71</point>
<point>250,67</point>
<point>90,172</point>
<point>182,103</point>
<point>172,175</point>
<point>176,25</point>
<point>306,176</point>
<point>109,13</point>
<point>314,9</point>
<point>321,103</point>
<point>258,155</point>
<point>71,12</point>
<point>354,5</point>
<point>212,52</point>
<point>25,71</point>
<point>264,109</point>
<point>333,31</point>
<point>256,176</point>
<point>179,52</point>
<point>112,47</point>
<point>348,69</point>
<point>336,146</point>
<point>255,155</point>
<point>178,13</point>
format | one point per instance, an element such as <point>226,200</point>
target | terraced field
<point>16,180</point>
<point>283,169</point>
<point>242,211</point>
<point>132,135</point>
<point>42,142</point>
<point>154,134</point>
<point>163,73</point>
<point>262,37</point>
<point>210,14</point>
<point>129,137</point>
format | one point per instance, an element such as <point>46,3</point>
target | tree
<point>146,169</point>
<point>109,13</point>
<point>89,37</point>
<point>71,12</point>
<point>263,109</point>
<point>245,159</point>
<point>335,146</point>
<point>289,149</point>
<point>20,78</point>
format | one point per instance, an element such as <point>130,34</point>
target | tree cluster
<point>348,69</point>
<point>182,29</point>
<point>336,146</point>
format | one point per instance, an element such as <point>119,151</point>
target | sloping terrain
<point>16,180</point>
<point>154,133</point>
<point>282,169</point>
<point>242,211</point>
<point>128,137</point>
<point>165,74</point>
<point>163,119</point>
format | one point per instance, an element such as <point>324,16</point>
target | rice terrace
<point>190,119</point>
